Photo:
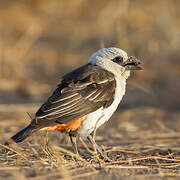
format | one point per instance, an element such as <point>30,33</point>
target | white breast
<point>100,116</point>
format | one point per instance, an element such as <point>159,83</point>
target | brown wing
<point>82,91</point>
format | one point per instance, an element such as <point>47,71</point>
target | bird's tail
<point>23,134</point>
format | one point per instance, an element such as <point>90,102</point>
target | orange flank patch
<point>72,126</point>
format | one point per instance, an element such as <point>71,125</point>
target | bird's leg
<point>98,148</point>
<point>74,143</point>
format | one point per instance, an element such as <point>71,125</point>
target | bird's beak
<point>132,63</point>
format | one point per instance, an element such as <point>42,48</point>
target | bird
<point>85,98</point>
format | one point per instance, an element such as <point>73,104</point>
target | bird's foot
<point>103,154</point>
<point>99,149</point>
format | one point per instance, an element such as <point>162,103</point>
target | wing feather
<point>79,93</point>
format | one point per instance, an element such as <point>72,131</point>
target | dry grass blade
<point>76,156</point>
<point>126,167</point>
<point>143,158</point>
<point>13,168</point>
<point>13,150</point>
<point>155,175</point>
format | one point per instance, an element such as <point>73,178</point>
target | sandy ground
<point>143,143</point>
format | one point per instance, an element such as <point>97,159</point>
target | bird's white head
<point>116,61</point>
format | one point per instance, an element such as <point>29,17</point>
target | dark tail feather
<point>23,134</point>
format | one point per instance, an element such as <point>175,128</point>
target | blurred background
<point>42,40</point>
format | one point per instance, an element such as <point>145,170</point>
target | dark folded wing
<point>80,92</point>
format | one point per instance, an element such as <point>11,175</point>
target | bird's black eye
<point>118,59</point>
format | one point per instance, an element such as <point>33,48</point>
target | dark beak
<point>132,64</point>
